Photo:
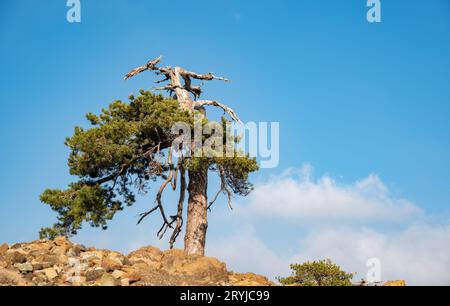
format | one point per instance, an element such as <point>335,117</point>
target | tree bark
<point>197,224</point>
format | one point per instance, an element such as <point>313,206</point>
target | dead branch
<point>179,215</point>
<point>151,65</point>
<point>159,205</point>
<point>175,177</point>
<point>223,189</point>
<point>206,77</point>
<point>201,103</point>
<point>146,214</point>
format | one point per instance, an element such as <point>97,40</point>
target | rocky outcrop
<point>61,262</point>
<point>397,283</point>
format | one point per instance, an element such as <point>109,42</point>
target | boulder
<point>249,279</point>
<point>150,256</point>
<point>39,246</point>
<point>111,264</point>
<point>207,269</point>
<point>108,281</point>
<point>75,250</point>
<point>397,283</point>
<point>94,274</point>
<point>13,257</point>
<point>61,240</point>
<point>24,267</point>
<point>118,274</point>
<point>125,282</point>
<point>50,273</point>
<point>12,278</point>
<point>3,248</point>
<point>132,274</point>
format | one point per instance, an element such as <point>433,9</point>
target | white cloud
<point>298,196</point>
<point>420,254</point>
<point>413,248</point>
<point>243,252</point>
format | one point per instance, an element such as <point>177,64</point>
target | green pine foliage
<point>317,273</point>
<point>113,162</point>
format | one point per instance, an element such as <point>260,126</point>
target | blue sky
<point>352,98</point>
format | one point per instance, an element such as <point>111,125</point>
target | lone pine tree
<point>130,145</point>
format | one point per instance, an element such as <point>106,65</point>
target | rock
<point>172,258</point>
<point>60,262</point>
<point>206,268</point>
<point>13,256</point>
<point>89,256</point>
<point>118,274</point>
<point>3,248</point>
<point>50,273</point>
<point>77,280</point>
<point>75,250</point>
<point>249,279</point>
<point>50,260</point>
<point>149,256</point>
<point>132,274</point>
<point>75,267</point>
<point>398,283</point>
<point>16,246</point>
<point>108,281</point>
<point>24,267</point>
<point>72,253</point>
<point>111,264</point>
<point>37,266</point>
<point>61,240</point>
<point>94,274</point>
<point>40,280</point>
<point>209,269</point>
<point>12,278</point>
<point>39,246</point>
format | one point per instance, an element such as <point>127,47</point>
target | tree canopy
<point>121,153</point>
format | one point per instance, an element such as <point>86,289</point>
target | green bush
<point>317,273</point>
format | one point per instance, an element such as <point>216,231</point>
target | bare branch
<point>179,216</point>
<point>167,87</point>
<point>206,77</point>
<point>200,103</point>
<point>146,214</point>
<point>223,188</point>
<point>151,65</point>
<point>158,199</point>
<point>175,177</point>
<point>166,78</point>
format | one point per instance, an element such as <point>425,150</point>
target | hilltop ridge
<point>61,262</point>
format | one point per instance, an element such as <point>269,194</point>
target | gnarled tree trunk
<point>197,224</point>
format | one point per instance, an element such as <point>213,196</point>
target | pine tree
<point>120,155</point>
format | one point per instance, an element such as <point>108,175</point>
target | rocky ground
<point>61,262</point>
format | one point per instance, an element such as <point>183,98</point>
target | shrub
<point>317,273</point>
